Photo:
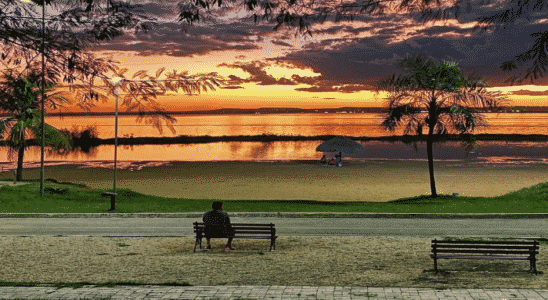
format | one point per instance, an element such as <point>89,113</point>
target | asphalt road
<point>411,227</point>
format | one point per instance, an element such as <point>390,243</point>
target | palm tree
<point>20,98</point>
<point>438,96</point>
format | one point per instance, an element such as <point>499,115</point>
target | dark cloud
<point>235,80</point>
<point>351,60</point>
<point>165,10</point>
<point>304,80</point>
<point>257,74</point>
<point>366,60</point>
<point>281,43</point>
<point>170,39</point>
<point>348,64</point>
<point>232,87</point>
<point>441,30</point>
<point>530,93</point>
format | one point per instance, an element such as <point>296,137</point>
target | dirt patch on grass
<point>316,261</point>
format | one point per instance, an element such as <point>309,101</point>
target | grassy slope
<point>80,199</point>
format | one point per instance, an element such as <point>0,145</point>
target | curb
<point>278,215</point>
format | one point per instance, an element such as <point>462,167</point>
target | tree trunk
<point>429,142</point>
<point>20,163</point>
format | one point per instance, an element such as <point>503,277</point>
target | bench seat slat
<point>251,224</point>
<point>252,237</point>
<point>250,230</point>
<point>481,247</point>
<point>253,231</point>
<point>483,251</point>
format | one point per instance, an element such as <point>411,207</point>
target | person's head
<point>217,205</point>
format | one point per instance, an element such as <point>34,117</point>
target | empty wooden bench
<point>242,231</point>
<point>493,250</point>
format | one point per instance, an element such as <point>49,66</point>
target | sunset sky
<point>335,67</point>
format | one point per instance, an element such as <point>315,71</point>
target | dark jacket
<point>217,224</point>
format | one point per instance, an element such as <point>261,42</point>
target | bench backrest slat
<point>241,228</point>
<point>486,247</point>
<point>483,247</point>
<point>484,242</point>
<point>248,225</point>
<point>240,224</point>
<point>253,231</point>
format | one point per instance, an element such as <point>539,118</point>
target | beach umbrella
<point>340,144</point>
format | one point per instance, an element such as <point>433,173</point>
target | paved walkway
<point>263,292</point>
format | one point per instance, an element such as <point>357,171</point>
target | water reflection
<point>489,152</point>
<point>288,124</point>
<point>78,153</point>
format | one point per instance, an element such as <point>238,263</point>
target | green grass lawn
<point>74,198</point>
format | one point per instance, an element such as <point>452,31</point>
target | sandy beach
<point>374,180</point>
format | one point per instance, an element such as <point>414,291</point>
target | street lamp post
<point>116,81</point>
<point>43,87</point>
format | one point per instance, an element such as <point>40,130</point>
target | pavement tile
<point>268,292</point>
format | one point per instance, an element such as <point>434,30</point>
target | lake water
<point>286,124</point>
<point>365,124</point>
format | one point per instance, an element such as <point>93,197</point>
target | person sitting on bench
<point>338,160</point>
<point>217,225</point>
<point>323,160</point>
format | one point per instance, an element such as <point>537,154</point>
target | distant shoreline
<point>286,138</point>
<point>287,110</point>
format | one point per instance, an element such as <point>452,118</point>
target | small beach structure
<point>341,145</point>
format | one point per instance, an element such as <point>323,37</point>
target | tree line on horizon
<point>427,94</point>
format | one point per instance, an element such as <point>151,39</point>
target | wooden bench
<point>242,231</point>
<point>493,250</point>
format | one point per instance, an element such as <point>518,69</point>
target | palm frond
<point>396,114</point>
<point>16,137</point>
<point>464,119</point>
<point>414,124</point>
<point>4,124</point>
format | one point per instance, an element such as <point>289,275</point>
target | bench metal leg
<point>435,265</point>
<point>533,258</point>
<point>198,242</point>
<point>533,265</point>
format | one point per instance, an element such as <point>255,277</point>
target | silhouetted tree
<point>437,96</point>
<point>22,96</point>
<point>77,25</point>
